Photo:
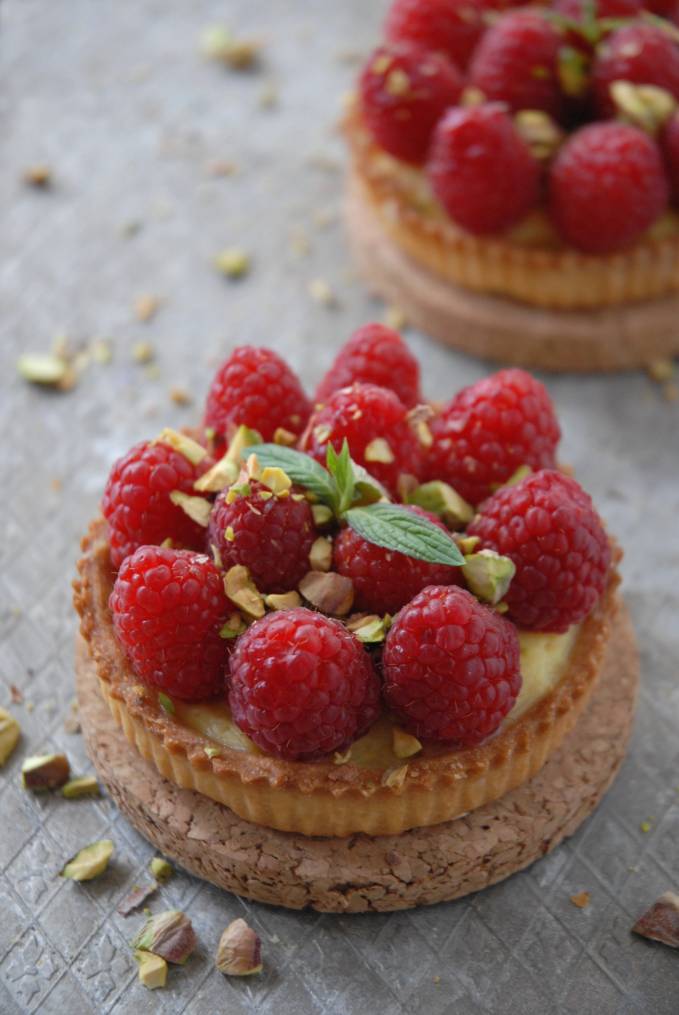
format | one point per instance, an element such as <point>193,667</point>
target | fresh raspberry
<point>385,580</point>
<point>255,388</point>
<point>639,53</point>
<point>270,535</point>
<point>301,684</point>
<point>670,145</point>
<point>575,9</point>
<point>517,63</point>
<point>374,354</point>
<point>451,667</point>
<point>548,526</point>
<point>489,430</point>
<point>663,8</point>
<point>607,187</point>
<point>365,414</point>
<point>404,90</point>
<point>168,607</point>
<point>453,27</point>
<point>481,169</point>
<point>136,501</point>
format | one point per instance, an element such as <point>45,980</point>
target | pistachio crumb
<point>146,307</point>
<point>660,370</point>
<point>143,352</point>
<point>180,396</point>
<point>283,600</point>
<point>322,293</point>
<point>39,176</point>
<point>10,732</point>
<point>233,262</point>
<point>395,318</point>
<point>197,508</point>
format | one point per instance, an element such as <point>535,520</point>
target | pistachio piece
<point>143,353</point>
<point>10,731</point>
<point>522,472</point>
<point>89,862</point>
<point>284,437</point>
<point>488,575</point>
<point>240,950</point>
<point>540,132</point>
<point>661,921</point>
<point>404,745</point>
<point>283,600</point>
<point>197,508</point>
<point>136,897</point>
<point>84,785</point>
<point>161,868</point>
<point>212,752</point>
<point>152,969</point>
<point>234,626</point>
<point>644,106</point>
<point>218,43</point>
<point>320,554</point>
<point>378,450</point>
<point>442,500</point>
<point>321,292</point>
<point>38,176</point>
<point>322,514</point>
<point>394,776</point>
<point>330,593</point>
<point>169,934</point>
<point>45,771</point>
<point>166,702</point>
<point>186,446</point>
<point>467,544</point>
<point>242,591</point>
<point>276,480</point>
<point>660,370</point>
<point>222,474</point>
<point>146,306</point>
<point>42,368</point>
<point>573,71</point>
<point>232,262</point>
<point>370,628</point>
<point>341,757</point>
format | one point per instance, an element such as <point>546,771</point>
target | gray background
<point>116,99</point>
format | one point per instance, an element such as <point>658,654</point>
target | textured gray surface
<point>117,100</point>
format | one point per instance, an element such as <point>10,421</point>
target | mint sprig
<point>356,498</point>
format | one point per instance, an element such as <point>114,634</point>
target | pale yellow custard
<point>543,661</point>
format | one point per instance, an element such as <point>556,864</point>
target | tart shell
<point>322,798</point>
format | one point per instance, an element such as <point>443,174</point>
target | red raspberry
<point>670,144</point>
<point>481,169</point>
<point>255,388</point>
<point>271,536</point>
<point>451,667</point>
<point>607,187</point>
<point>363,414</point>
<point>374,354</point>
<point>404,90</point>
<point>385,580</point>
<point>136,501</point>
<point>548,526</point>
<point>301,684</point>
<point>168,607</point>
<point>663,8</point>
<point>639,53</point>
<point>575,9</point>
<point>489,430</point>
<point>517,63</point>
<point>452,27</point>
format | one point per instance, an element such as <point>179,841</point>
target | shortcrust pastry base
<point>361,873</point>
<point>622,337</point>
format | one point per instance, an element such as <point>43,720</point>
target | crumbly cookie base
<point>362,873</point>
<point>621,337</point>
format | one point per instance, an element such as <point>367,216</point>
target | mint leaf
<point>302,469</point>
<point>395,528</point>
<point>341,469</point>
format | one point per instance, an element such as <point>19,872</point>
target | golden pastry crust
<point>321,798</point>
<point>537,270</point>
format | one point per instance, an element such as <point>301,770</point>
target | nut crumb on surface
<point>146,307</point>
<point>180,396</point>
<point>581,899</point>
<point>233,262</point>
<point>322,293</point>
<point>39,176</point>
<point>143,352</point>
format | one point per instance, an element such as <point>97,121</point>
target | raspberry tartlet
<point>385,621</point>
<point>513,179</point>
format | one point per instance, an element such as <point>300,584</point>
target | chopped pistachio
<point>42,368</point>
<point>644,106</point>
<point>404,745</point>
<point>101,351</point>
<point>472,96</point>
<point>152,969</point>
<point>166,702</point>
<point>143,352</point>
<point>395,776</point>
<point>341,757</point>
<point>488,575</point>
<point>232,262</point>
<point>136,897</point>
<point>222,474</point>
<point>394,317</point>
<point>180,396</point>
<point>661,921</point>
<point>370,628</point>
<point>320,291</point>
<point>284,437</point>
<point>442,500</point>
<point>10,731</point>
<point>241,590</point>
<point>169,934</point>
<point>212,752</point>
<point>283,600</point>
<point>540,132</point>
<point>89,862</point>
<point>467,544</point>
<point>84,785</point>
<point>236,491</point>
<point>167,543</point>
<point>229,534</point>
<point>330,593</point>
<point>522,472</point>
<point>218,43</point>
<point>322,432</point>
<point>234,626</point>
<point>146,307</point>
<point>252,466</point>
<point>320,554</point>
<point>45,771</point>
<point>378,450</point>
<point>197,508</point>
<point>276,480</point>
<point>239,952</point>
<point>161,868</point>
<point>322,514</point>
<point>581,899</point>
<point>186,446</point>
<point>38,176</point>
<point>660,370</point>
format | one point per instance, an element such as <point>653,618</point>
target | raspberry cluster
<point>448,91</point>
<point>218,610</point>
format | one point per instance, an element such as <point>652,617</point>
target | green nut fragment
<point>378,450</point>
<point>233,626</point>
<point>276,480</point>
<point>197,508</point>
<point>240,950</point>
<point>85,785</point>
<point>322,514</point>
<point>644,106</point>
<point>442,500</point>
<point>45,771</point>
<point>10,731</point>
<point>320,554</point>
<point>218,43</point>
<point>232,262</point>
<point>186,446</point>
<point>152,969</point>
<point>522,472</point>
<point>90,862</point>
<point>284,437</point>
<point>404,745</point>
<point>283,600</point>
<point>169,934</point>
<point>467,544</point>
<point>42,368</point>
<point>488,575</point>
<point>394,776</point>
<point>166,702</point>
<point>161,869</point>
<point>540,132</point>
<point>369,628</point>
<point>330,592</point>
<point>222,474</point>
<point>212,752</point>
<point>242,591</point>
